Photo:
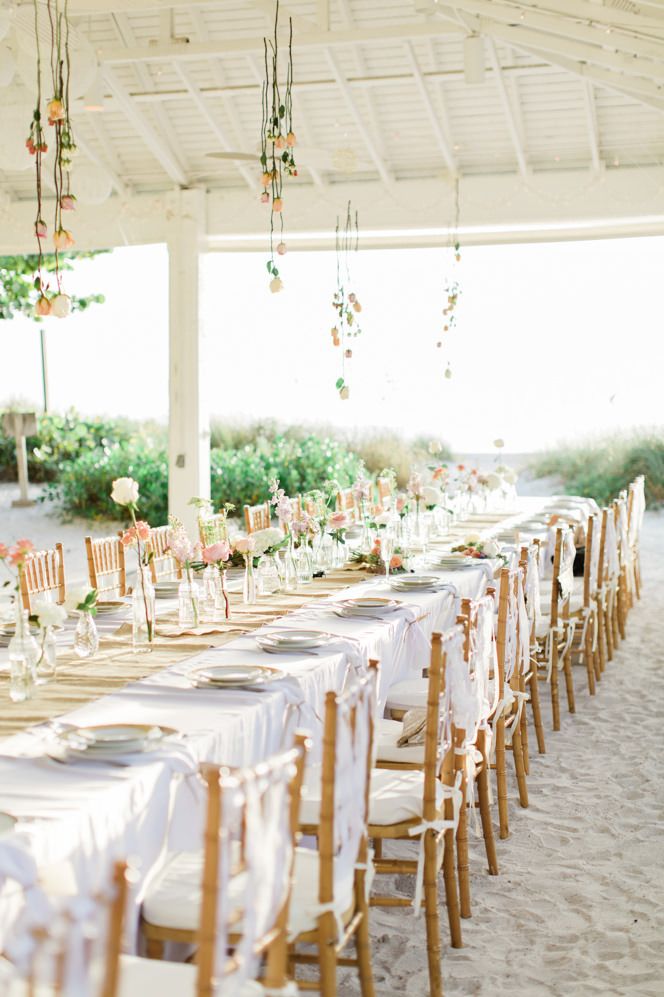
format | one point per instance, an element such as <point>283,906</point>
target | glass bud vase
<point>305,564</point>
<point>289,569</point>
<point>86,636</point>
<point>47,657</point>
<point>268,577</point>
<point>23,657</point>
<point>189,603</point>
<point>222,609</point>
<point>211,592</point>
<point>249,587</point>
<point>143,612</point>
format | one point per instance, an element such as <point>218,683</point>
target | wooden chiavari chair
<point>346,503</point>
<point>423,803</point>
<point>635,512</point>
<point>182,899</point>
<point>530,566</point>
<point>385,489</point>
<point>610,581</point>
<point>257,517</point>
<point>43,576</point>
<point>163,566</point>
<point>329,904</point>
<point>107,567</point>
<point>624,595</point>
<point>212,529</point>
<point>556,632</point>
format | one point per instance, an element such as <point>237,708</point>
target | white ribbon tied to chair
<point>565,631</point>
<point>588,613</point>
<point>439,825</point>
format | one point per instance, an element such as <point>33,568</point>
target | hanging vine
<point>56,303</point>
<point>345,301</point>
<point>277,141</point>
<point>452,288</point>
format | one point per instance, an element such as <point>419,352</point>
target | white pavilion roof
<point>571,88</point>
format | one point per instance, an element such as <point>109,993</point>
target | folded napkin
<point>414,724</point>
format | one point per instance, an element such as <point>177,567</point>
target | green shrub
<point>83,487</point>
<point>601,468</point>
<point>63,438</point>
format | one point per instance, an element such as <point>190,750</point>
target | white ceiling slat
<point>443,144</point>
<point>517,138</point>
<point>593,128</point>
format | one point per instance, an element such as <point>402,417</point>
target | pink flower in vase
<point>244,545</point>
<point>400,503</point>
<point>216,552</point>
<point>338,520</point>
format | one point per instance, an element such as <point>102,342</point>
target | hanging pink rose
<point>63,239</point>
<point>55,110</point>
<point>61,305</point>
<point>337,520</point>
<point>352,298</point>
<point>281,248</point>
<point>265,197</point>
<point>43,306</point>
<point>40,229</point>
<point>68,202</point>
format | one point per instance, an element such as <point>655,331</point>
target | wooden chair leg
<point>501,778</point>
<point>589,656</point>
<point>608,631</point>
<point>463,863</point>
<point>431,914</point>
<point>485,808</point>
<point>601,638</point>
<point>524,729</point>
<point>569,682</point>
<point>327,956</point>
<point>555,693</point>
<point>451,891</point>
<point>637,576</point>
<point>519,767</point>
<point>535,705</point>
<point>363,946</point>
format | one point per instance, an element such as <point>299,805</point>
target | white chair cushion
<point>173,897</point>
<point>304,905</point>
<point>394,796</point>
<point>408,695</point>
<point>386,734</point>
<point>171,979</point>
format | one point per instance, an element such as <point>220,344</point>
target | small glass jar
<point>86,636</point>
<point>267,575</point>
<point>23,657</point>
<point>305,564</point>
<point>289,568</point>
<point>211,592</point>
<point>249,586</point>
<point>143,612</point>
<point>47,657</point>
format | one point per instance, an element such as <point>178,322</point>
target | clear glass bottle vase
<point>249,586</point>
<point>268,575</point>
<point>23,657</point>
<point>143,612</point>
<point>47,662</point>
<point>189,602</point>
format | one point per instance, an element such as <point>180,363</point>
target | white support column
<point>188,426</point>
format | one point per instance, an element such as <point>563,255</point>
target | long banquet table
<point>74,819</point>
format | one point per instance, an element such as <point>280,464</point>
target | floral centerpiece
<point>219,555</point>
<point>82,599</point>
<point>125,493</point>
<point>187,554</point>
<point>48,615</point>
<point>246,547</point>
<point>373,561</point>
<point>474,546</point>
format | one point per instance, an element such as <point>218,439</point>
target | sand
<point>578,908</point>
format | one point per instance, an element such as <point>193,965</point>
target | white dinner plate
<point>7,823</point>
<point>451,564</point>
<point>407,582</point>
<point>233,676</point>
<point>293,640</point>
<point>368,606</point>
<point>106,740</point>
<point>111,606</point>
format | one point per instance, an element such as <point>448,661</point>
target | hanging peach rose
<point>348,354</point>
<point>291,140</point>
<point>63,239</point>
<point>279,142</point>
<point>61,305</point>
<point>281,248</point>
<point>55,110</point>
<point>276,285</point>
<point>43,306</point>
<point>265,179</point>
<point>357,307</point>
<point>344,393</point>
<point>277,204</point>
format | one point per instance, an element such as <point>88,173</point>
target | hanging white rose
<point>125,491</point>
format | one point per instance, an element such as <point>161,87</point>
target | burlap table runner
<point>115,665</point>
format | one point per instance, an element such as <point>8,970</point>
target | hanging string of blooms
<point>277,142</point>
<point>345,301</point>
<point>452,288</point>
<point>56,303</point>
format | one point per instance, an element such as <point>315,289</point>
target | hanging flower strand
<point>57,108</point>
<point>345,301</point>
<point>277,141</point>
<point>452,288</point>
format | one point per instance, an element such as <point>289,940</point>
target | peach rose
<point>244,545</point>
<point>396,561</point>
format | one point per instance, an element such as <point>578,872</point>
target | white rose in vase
<point>125,491</point>
<point>48,613</point>
<point>430,495</point>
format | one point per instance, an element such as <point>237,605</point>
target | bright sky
<point>554,340</point>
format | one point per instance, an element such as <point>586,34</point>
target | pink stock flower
<point>216,552</point>
<point>244,545</point>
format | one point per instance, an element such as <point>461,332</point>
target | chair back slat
<point>163,566</point>
<point>107,567</point>
<point>43,576</point>
<point>257,517</point>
